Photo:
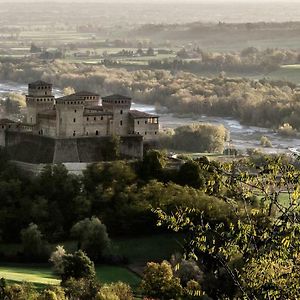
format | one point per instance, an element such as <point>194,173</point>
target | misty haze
<point>149,150</point>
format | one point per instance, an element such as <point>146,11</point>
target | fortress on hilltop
<point>82,127</point>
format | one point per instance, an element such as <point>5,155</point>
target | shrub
<point>115,291</point>
<point>52,293</point>
<point>81,289</point>
<point>265,142</point>
<point>77,265</point>
<point>56,259</point>
<point>287,130</point>
<point>24,291</point>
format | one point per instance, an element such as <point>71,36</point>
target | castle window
<point>45,93</point>
<point>121,123</point>
<point>2,126</point>
<point>121,111</point>
<point>146,122</point>
<point>87,118</point>
<point>87,133</point>
<point>95,118</point>
<point>155,132</point>
<point>74,133</point>
<point>138,122</point>
<point>75,110</point>
<point>101,118</point>
<point>145,132</point>
<point>74,120</point>
<point>97,132</point>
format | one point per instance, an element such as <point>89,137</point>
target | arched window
<point>74,133</point>
<point>97,132</point>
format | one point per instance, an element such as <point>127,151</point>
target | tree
<point>200,138</point>
<point>255,254</point>
<point>150,52</point>
<point>159,281</point>
<point>77,266</point>
<point>34,246</point>
<point>34,48</point>
<point>152,164</point>
<point>68,91</point>
<point>92,237</point>
<point>190,174</point>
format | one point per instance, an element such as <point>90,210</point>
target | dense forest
<point>238,219</point>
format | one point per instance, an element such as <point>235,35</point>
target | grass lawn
<point>34,274</point>
<point>150,248</point>
<point>42,275</point>
<point>288,73</point>
<point>139,250</point>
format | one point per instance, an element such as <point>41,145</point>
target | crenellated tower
<point>119,106</point>
<point>39,99</point>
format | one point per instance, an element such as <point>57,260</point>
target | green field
<point>288,73</point>
<point>138,250</point>
<point>42,275</point>
<point>151,248</point>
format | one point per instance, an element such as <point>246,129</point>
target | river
<point>242,136</point>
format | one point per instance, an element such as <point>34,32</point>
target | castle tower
<point>39,99</point>
<point>120,106</point>
<point>69,121</point>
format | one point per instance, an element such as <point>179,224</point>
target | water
<point>242,136</point>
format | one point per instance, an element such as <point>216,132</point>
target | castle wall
<point>97,125</point>
<point>35,149</point>
<point>30,148</point>
<point>131,146</point>
<point>2,137</point>
<point>70,120</point>
<point>144,127</point>
<point>47,126</point>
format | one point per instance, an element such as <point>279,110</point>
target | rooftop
<point>116,97</point>
<point>136,114</point>
<point>77,96</point>
<point>6,121</point>
<point>39,83</point>
<point>85,93</point>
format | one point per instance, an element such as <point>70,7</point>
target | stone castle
<point>77,127</point>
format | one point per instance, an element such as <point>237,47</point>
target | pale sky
<point>151,1</point>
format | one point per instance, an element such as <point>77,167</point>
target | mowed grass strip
<point>35,275</point>
<point>41,276</point>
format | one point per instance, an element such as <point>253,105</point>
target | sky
<point>151,1</point>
